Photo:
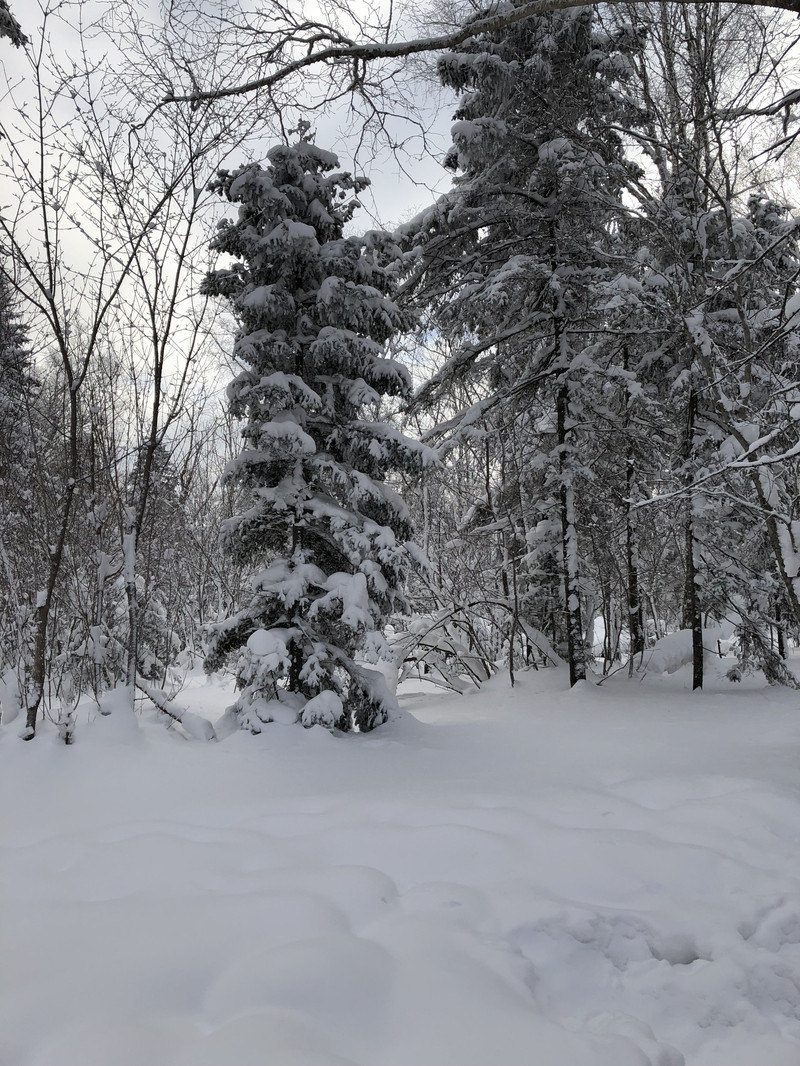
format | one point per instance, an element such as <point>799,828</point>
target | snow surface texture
<point>602,877</point>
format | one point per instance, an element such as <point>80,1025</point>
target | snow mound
<point>674,650</point>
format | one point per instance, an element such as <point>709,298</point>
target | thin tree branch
<point>364,53</point>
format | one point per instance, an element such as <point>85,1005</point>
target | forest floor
<point>531,877</point>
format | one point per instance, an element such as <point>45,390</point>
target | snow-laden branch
<point>747,460</point>
<point>197,727</point>
<point>353,52</point>
<point>9,27</point>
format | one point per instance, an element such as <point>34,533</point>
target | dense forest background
<point>553,415</point>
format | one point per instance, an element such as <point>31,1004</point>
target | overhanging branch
<point>396,50</point>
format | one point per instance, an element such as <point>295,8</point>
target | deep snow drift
<point>603,877</point>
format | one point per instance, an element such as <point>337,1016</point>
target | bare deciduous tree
<point>108,239</point>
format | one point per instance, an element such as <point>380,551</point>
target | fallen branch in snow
<point>197,727</point>
<point>628,664</point>
<point>541,643</point>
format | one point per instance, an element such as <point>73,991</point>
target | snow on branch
<point>196,727</point>
<point>9,27</point>
<point>351,52</point>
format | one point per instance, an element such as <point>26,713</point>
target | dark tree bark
<point>635,614</point>
<point>692,615</point>
<point>576,650</point>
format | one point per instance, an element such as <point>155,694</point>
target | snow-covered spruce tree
<point>511,262</point>
<point>16,386</point>
<point>9,27</point>
<point>326,533</point>
<point>17,475</point>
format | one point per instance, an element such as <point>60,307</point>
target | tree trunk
<point>635,613</point>
<point>44,600</point>
<point>780,630</point>
<point>129,568</point>
<point>35,687</point>
<point>692,615</point>
<point>576,651</point>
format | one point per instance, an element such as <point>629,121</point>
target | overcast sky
<point>405,178</point>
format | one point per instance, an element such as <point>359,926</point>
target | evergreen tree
<point>17,474</point>
<point>511,262</point>
<point>15,388</point>
<point>326,532</point>
<point>9,27</point>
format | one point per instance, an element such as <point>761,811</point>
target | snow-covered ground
<point>603,877</point>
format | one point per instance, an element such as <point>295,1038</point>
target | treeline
<point>603,315</point>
